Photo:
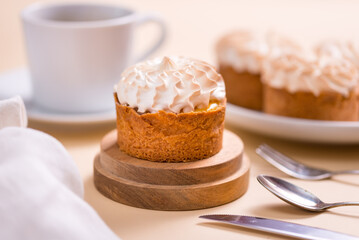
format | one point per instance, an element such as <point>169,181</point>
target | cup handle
<point>155,19</point>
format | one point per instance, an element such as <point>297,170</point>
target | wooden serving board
<point>205,183</point>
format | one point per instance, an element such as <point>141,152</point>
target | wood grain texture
<point>217,167</point>
<point>191,185</point>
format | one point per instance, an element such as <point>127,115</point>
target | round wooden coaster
<point>223,164</point>
<point>172,186</point>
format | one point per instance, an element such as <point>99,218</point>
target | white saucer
<point>293,128</point>
<point>17,82</point>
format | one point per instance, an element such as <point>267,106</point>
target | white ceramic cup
<point>77,52</point>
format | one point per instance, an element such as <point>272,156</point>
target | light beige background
<point>194,26</point>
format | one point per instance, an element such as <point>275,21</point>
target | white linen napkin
<point>12,112</point>
<point>40,188</point>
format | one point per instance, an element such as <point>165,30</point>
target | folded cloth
<point>41,189</point>
<point>12,112</point>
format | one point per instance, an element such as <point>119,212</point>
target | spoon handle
<point>339,204</point>
<point>346,172</point>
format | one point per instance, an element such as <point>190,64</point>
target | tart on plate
<point>240,58</point>
<point>311,87</point>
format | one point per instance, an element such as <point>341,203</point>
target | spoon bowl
<point>297,196</point>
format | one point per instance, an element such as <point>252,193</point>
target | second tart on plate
<point>240,58</point>
<point>311,87</point>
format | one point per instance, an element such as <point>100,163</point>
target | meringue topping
<point>245,51</point>
<point>171,84</point>
<point>334,49</point>
<point>346,51</point>
<point>296,72</point>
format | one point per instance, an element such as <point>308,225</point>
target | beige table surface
<point>194,27</point>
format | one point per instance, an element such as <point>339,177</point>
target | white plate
<point>293,128</point>
<point>37,114</point>
<point>17,82</point>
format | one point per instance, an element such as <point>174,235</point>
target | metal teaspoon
<point>297,196</point>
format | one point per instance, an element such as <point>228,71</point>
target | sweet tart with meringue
<point>170,109</point>
<point>240,57</point>
<point>320,87</point>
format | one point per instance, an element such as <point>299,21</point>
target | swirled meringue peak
<point>339,50</point>
<point>246,50</point>
<point>170,84</point>
<point>307,72</point>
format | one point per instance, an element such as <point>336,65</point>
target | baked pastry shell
<point>170,137</point>
<point>328,105</point>
<point>242,88</point>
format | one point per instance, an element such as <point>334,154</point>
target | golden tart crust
<point>170,137</point>
<point>243,89</point>
<point>330,105</point>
